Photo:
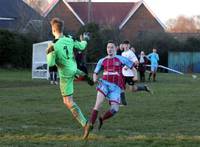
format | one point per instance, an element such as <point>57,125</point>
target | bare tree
<point>36,4</point>
<point>197,22</point>
<point>29,22</point>
<point>184,24</point>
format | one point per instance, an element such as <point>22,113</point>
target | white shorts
<point>154,68</point>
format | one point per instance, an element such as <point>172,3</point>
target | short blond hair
<point>57,24</point>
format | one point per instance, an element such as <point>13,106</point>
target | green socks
<point>76,112</point>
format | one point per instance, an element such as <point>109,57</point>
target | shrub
<point>15,50</point>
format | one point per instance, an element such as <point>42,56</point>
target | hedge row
<point>16,49</point>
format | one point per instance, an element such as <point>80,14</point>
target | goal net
<point>39,63</point>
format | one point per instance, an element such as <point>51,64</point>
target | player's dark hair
<point>58,24</point>
<point>111,41</point>
<point>126,42</point>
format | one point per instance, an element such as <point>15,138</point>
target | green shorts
<point>67,86</point>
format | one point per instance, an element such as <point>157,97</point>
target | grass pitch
<point>32,114</point>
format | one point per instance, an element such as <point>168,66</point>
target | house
<point>64,11</point>
<point>130,18</point>
<point>16,15</point>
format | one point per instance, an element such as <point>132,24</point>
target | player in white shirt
<point>130,76</point>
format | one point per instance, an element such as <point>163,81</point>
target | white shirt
<point>127,72</point>
<point>141,59</point>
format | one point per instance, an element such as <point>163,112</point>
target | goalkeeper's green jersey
<point>64,55</point>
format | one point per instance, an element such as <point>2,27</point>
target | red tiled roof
<point>107,13</point>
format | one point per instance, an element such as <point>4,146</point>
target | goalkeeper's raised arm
<point>81,45</point>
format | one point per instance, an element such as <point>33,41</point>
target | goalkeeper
<point>61,54</point>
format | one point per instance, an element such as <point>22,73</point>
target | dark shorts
<point>129,80</point>
<point>53,69</point>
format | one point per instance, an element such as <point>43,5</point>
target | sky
<point>167,9</point>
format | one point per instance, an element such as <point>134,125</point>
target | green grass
<point>32,114</point>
